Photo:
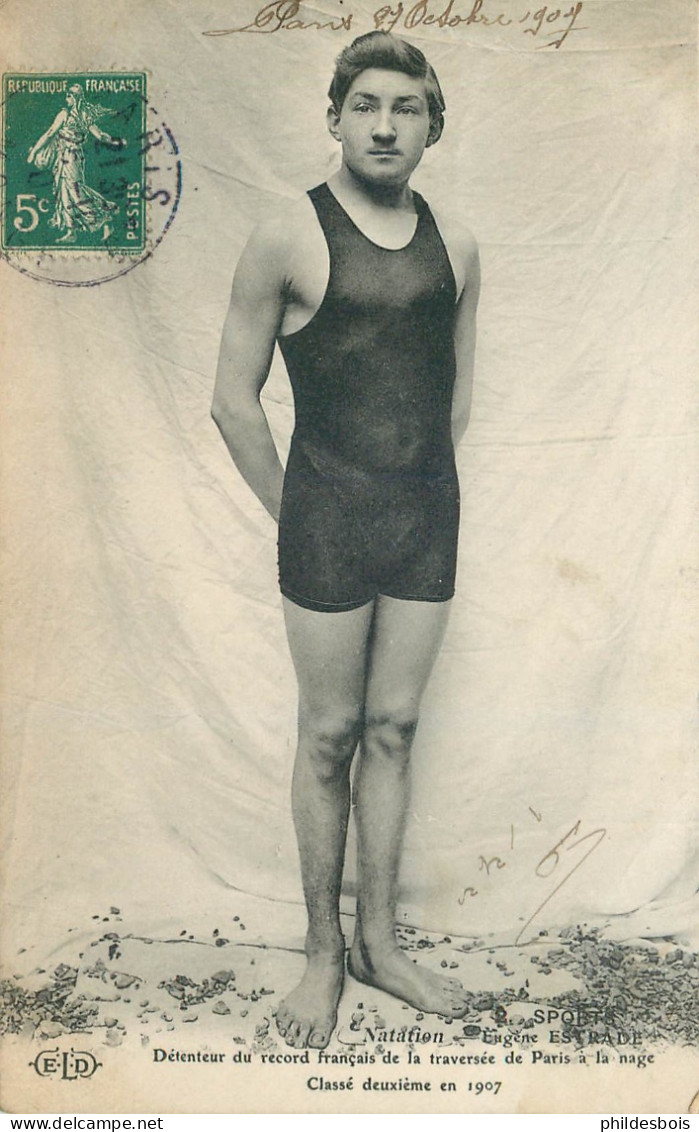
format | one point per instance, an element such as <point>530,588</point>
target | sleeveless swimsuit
<point>370,503</point>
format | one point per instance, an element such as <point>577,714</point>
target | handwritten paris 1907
<point>548,24</point>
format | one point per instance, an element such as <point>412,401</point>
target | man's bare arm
<point>247,346</point>
<point>465,341</point>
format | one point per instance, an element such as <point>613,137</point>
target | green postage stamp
<point>87,167</point>
<point>74,161</point>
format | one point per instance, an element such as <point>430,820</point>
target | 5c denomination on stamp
<point>91,177</point>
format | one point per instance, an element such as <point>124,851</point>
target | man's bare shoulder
<point>282,232</point>
<point>456,234</point>
<point>461,244</point>
<point>274,253</point>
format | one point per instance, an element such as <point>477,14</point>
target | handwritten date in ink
<point>549,24</point>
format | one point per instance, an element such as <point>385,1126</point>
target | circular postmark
<point>91,176</point>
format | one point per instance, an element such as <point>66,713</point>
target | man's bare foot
<point>307,1016</point>
<point>390,970</point>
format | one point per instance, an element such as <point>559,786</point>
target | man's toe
<point>318,1039</point>
<point>302,1036</point>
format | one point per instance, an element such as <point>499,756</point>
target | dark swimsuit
<point>371,500</point>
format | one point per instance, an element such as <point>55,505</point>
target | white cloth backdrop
<point>149,697</point>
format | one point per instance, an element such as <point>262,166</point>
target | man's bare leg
<point>329,651</point>
<point>405,643</point>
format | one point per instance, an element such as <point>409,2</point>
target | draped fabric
<point>149,696</point>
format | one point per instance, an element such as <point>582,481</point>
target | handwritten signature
<point>287,15</point>
<point>553,864</point>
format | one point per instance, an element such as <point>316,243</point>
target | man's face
<point>384,126</point>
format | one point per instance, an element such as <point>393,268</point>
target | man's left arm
<point>465,339</point>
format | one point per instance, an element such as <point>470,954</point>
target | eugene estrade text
<point>372,298</point>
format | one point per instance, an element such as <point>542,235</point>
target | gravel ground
<point>225,988</point>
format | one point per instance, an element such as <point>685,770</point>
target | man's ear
<point>435,131</point>
<point>333,122</point>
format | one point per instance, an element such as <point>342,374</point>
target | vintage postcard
<point>348,753</point>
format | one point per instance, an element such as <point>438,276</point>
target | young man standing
<point>372,299</point>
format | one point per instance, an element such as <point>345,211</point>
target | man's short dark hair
<point>385,51</point>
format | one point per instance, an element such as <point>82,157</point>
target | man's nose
<point>384,126</point>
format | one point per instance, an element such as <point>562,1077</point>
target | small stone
<point>109,1022</point>
<point>224,977</point>
<point>121,982</point>
<point>63,971</point>
<point>483,1002</point>
<point>220,1007</point>
<point>221,942</point>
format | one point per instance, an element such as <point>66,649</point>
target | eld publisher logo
<point>68,1064</point>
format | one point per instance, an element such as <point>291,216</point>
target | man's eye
<point>407,110</point>
<point>362,107</point>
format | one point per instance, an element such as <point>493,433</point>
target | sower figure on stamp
<point>372,299</point>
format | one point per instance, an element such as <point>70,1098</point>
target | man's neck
<point>352,189</point>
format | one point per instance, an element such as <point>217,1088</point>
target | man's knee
<point>390,733</point>
<point>330,739</point>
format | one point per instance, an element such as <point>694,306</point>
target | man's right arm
<point>247,345</point>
